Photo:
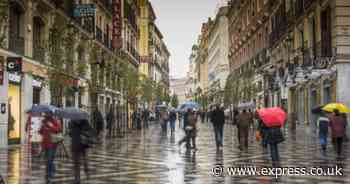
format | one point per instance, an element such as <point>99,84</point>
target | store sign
<point>2,61</point>
<point>117,24</point>
<point>84,10</point>
<point>14,64</point>
<point>14,78</point>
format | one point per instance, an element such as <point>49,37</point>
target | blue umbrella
<point>189,105</point>
<point>37,109</point>
<point>72,113</point>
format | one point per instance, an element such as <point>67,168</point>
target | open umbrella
<point>274,116</point>
<point>317,109</point>
<point>72,113</point>
<point>37,109</point>
<point>332,106</point>
<point>189,105</point>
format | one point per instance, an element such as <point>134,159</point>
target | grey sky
<point>180,22</point>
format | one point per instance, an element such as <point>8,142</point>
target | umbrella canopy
<point>37,109</point>
<point>72,113</point>
<point>332,106</point>
<point>189,105</point>
<point>317,109</point>
<point>274,116</point>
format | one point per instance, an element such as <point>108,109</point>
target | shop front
<point>14,109</point>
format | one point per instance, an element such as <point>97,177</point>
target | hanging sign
<point>14,64</point>
<point>117,24</point>
<point>84,10</point>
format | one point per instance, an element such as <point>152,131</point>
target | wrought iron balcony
<point>16,44</point>
<point>39,53</point>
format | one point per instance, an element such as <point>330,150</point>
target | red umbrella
<point>274,116</point>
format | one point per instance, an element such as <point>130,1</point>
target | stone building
<point>291,53</point>
<point>64,53</point>
<point>218,48</point>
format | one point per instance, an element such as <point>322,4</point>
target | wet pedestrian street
<point>148,157</point>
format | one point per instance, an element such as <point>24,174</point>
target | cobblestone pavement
<point>148,157</point>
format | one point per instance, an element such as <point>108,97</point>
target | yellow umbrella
<point>341,107</point>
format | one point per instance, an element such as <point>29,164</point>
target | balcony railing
<point>131,49</point>
<point>16,44</point>
<point>99,34</point>
<point>39,53</point>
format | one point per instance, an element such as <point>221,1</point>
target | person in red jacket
<point>338,127</point>
<point>49,126</point>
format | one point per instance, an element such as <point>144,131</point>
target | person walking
<point>273,137</point>
<point>323,124</point>
<point>190,127</point>
<point>145,117</point>
<point>79,147</point>
<point>110,122</point>
<point>49,127</point>
<point>164,120</point>
<point>98,121</point>
<point>218,120</point>
<point>338,125</point>
<point>244,123</point>
<point>172,119</point>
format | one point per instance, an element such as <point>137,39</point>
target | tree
<point>174,101</point>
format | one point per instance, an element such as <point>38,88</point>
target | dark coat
<point>218,117</point>
<point>110,120</point>
<point>323,123</point>
<point>172,116</point>
<point>78,128</point>
<point>274,135</point>
<point>98,120</point>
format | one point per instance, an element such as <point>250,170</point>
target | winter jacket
<point>323,124</point>
<point>172,116</point>
<point>79,128</point>
<point>274,135</point>
<point>218,117</point>
<point>338,125</point>
<point>244,120</point>
<point>49,126</point>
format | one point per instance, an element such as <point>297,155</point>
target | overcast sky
<point>180,22</point>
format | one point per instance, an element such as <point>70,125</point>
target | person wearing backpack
<point>81,134</point>
<point>50,127</point>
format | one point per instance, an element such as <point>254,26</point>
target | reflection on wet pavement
<point>147,156</point>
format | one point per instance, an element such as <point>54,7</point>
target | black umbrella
<point>317,109</point>
<point>37,109</point>
<point>72,113</point>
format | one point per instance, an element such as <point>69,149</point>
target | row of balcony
<point>132,50</point>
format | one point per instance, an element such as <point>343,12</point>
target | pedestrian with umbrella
<point>274,118</point>
<point>338,126</point>
<point>244,123</point>
<point>49,131</point>
<point>82,135</point>
<point>323,124</point>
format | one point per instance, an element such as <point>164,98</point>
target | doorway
<point>14,114</point>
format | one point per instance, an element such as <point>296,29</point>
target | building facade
<point>66,54</point>
<point>180,88</point>
<point>290,53</point>
<point>218,64</point>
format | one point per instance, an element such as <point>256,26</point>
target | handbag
<point>56,137</point>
